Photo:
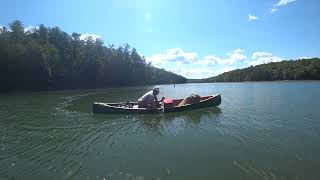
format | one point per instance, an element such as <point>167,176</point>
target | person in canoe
<point>149,100</point>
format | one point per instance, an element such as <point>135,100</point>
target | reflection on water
<point>158,123</point>
<point>176,123</point>
<point>195,116</point>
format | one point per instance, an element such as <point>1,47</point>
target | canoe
<point>132,107</point>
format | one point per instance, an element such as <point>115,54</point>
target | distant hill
<point>196,80</point>
<point>304,69</point>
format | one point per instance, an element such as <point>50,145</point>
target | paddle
<point>162,108</point>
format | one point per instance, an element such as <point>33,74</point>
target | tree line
<point>47,58</point>
<point>303,69</point>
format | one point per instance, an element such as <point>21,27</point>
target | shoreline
<point>256,81</point>
<point>132,86</point>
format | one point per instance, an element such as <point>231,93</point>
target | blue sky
<point>193,38</point>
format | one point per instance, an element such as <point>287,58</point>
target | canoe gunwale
<point>116,108</point>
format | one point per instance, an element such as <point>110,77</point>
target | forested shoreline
<point>47,58</point>
<point>303,69</point>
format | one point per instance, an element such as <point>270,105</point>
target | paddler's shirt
<point>148,98</point>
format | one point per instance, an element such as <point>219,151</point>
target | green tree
<point>49,58</point>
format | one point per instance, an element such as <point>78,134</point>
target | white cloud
<point>306,57</point>
<point>31,28</point>
<point>283,2</point>
<point>210,60</point>
<point>1,29</point>
<point>257,55</point>
<point>190,65</point>
<point>279,4</point>
<point>86,35</point>
<point>179,55</point>
<point>173,55</point>
<point>252,18</point>
<point>236,56</point>
<point>273,10</point>
<point>263,58</point>
<point>233,58</point>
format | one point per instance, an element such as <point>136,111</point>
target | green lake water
<point>261,130</point>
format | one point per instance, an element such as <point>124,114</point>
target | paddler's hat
<point>156,89</point>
